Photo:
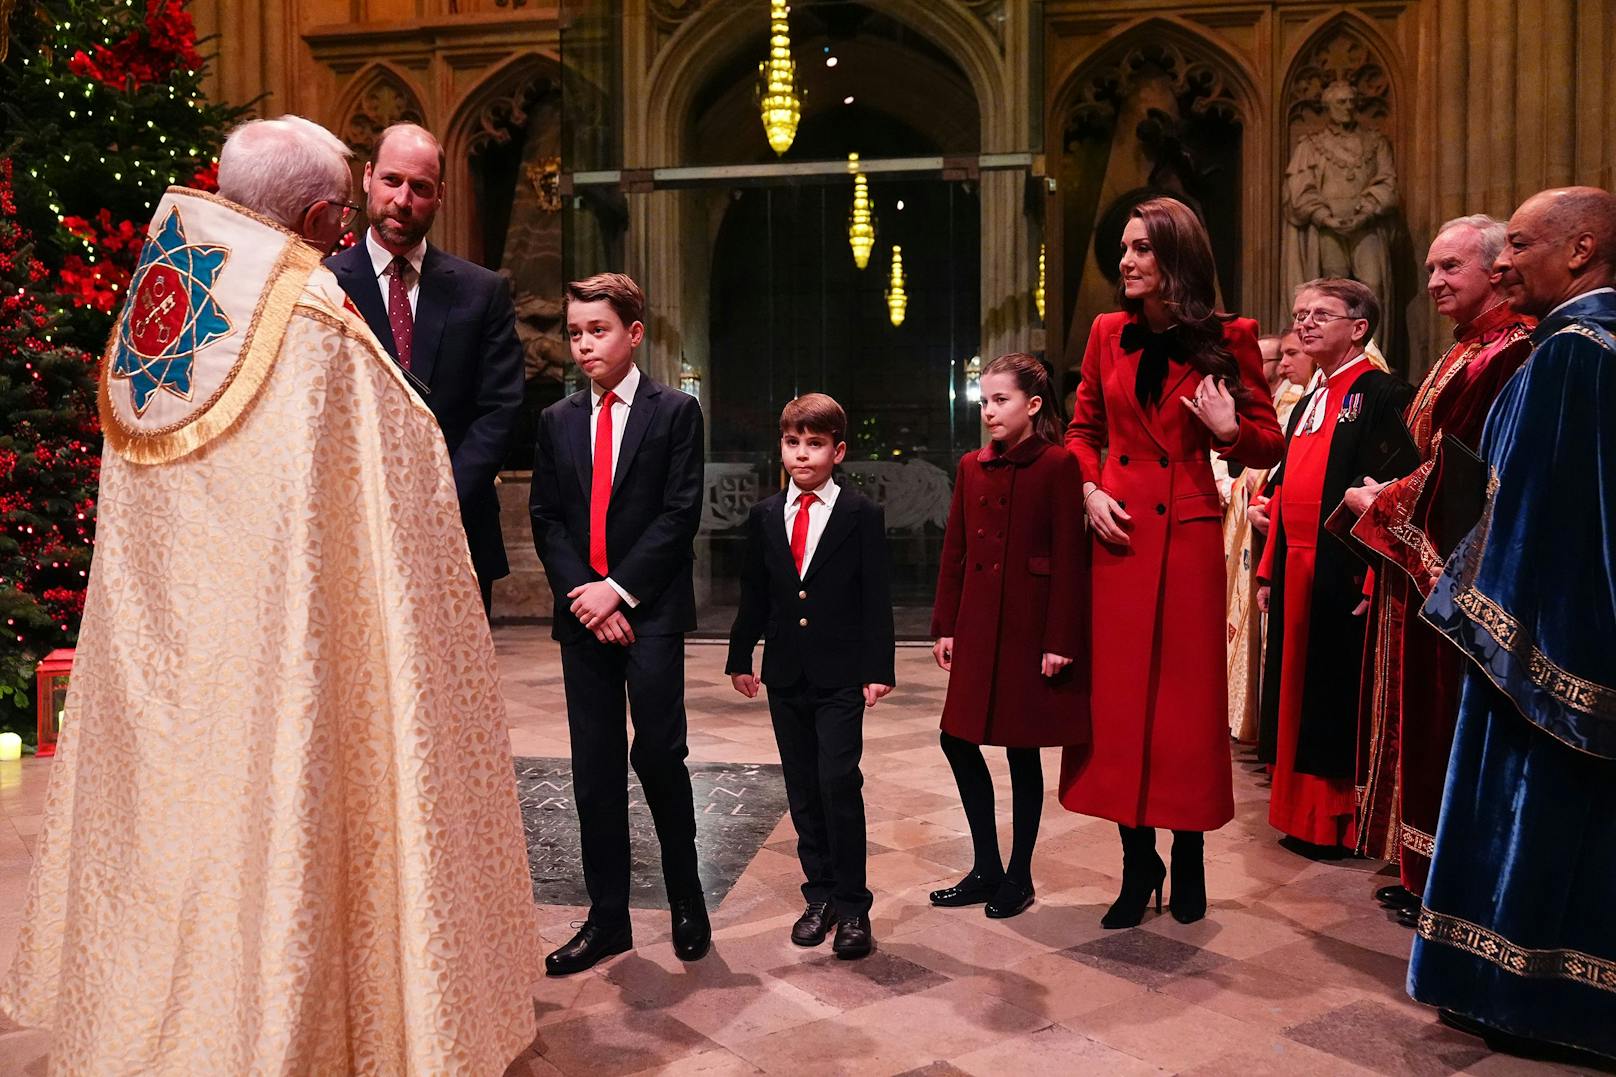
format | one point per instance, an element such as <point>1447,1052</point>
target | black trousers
<point>820,732</point>
<point>651,674</point>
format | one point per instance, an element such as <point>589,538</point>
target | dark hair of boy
<point>1032,378</point>
<point>815,413</point>
<point>618,289</point>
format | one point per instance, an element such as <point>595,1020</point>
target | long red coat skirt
<point>1011,588</point>
<point>1159,749</point>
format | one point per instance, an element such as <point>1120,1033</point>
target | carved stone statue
<point>1340,190</point>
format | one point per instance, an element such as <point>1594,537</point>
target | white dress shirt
<point>624,391</point>
<point>818,516</point>
<point>381,259</point>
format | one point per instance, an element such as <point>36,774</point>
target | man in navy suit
<point>449,323</point>
<point>617,486</point>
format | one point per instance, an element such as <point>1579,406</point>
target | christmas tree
<point>102,109</point>
<point>49,462</point>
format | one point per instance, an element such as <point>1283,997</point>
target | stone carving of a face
<point>1341,103</point>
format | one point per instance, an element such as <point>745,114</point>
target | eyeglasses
<point>1318,317</point>
<point>350,212</point>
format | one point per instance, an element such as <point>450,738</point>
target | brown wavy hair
<point>1032,377</point>
<point>1188,290</point>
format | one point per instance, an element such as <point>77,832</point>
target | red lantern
<point>50,698</point>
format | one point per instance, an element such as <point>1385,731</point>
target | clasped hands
<point>596,607</point>
<point>943,652</point>
<point>747,684</point>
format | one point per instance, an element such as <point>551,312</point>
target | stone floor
<point>1294,970</point>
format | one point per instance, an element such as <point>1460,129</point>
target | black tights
<point>976,795</point>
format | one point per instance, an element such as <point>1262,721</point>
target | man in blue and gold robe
<point>1516,939</point>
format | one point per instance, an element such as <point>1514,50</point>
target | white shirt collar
<point>1578,298</point>
<point>826,493</point>
<point>1363,357</point>
<point>625,389</point>
<point>381,257</point>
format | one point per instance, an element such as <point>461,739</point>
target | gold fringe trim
<point>1490,946</point>
<point>240,388</point>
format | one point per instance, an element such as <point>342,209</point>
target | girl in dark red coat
<point>1166,381</point>
<point>1009,620</point>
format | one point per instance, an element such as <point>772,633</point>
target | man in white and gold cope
<point>282,834</point>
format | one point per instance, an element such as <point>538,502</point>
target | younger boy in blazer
<point>816,587</point>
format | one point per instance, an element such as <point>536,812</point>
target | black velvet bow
<point>1158,350</point>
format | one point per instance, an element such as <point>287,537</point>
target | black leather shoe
<point>814,924</point>
<point>1409,916</point>
<point>974,889</point>
<point>853,938</point>
<point>1396,896</point>
<point>1011,899</point>
<point>593,944</point>
<point>692,934</point>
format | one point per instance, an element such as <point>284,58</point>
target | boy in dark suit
<point>617,483</point>
<point>816,587</point>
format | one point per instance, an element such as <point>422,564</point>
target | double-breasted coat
<point>1012,588</point>
<point>1159,755</point>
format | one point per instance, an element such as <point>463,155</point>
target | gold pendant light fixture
<point>778,101</point>
<point>897,298</point>
<point>861,219</point>
<point>1038,292</point>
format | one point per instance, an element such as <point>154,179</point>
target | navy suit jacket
<point>832,627</point>
<point>467,365</point>
<point>654,514</point>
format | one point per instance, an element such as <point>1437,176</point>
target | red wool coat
<point>1012,587</point>
<point>1159,755</point>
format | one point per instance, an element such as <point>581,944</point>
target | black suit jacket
<point>655,508</point>
<point>832,626</point>
<point>468,366</point>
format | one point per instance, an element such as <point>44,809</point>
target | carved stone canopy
<point>386,102</point>
<point>507,114</point>
<point>1198,84</point>
<point>1340,55</point>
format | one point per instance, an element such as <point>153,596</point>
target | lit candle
<point>10,746</point>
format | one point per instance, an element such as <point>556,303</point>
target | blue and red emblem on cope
<point>171,314</point>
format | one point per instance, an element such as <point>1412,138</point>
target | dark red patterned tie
<point>799,530</point>
<point>600,484</point>
<point>398,309</point>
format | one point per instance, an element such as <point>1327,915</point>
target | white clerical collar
<point>826,493</point>
<point>1578,299</point>
<point>624,389</point>
<point>381,258</point>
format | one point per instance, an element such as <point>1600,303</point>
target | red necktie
<point>600,484</point>
<point>799,530</point>
<point>398,310</point>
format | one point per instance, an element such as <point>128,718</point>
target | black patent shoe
<point>814,924</point>
<point>1137,887</point>
<point>1011,899</point>
<point>1409,916</point>
<point>971,890</point>
<point>593,944</point>
<point>853,938</point>
<point>692,933</point>
<point>1397,896</point>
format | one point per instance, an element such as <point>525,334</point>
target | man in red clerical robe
<point>1411,674</point>
<point>1349,427</point>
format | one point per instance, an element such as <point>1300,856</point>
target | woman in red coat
<point>1166,381</point>
<point>1009,621</point>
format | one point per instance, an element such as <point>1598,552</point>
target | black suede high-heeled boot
<point>1189,876</point>
<point>1142,875</point>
